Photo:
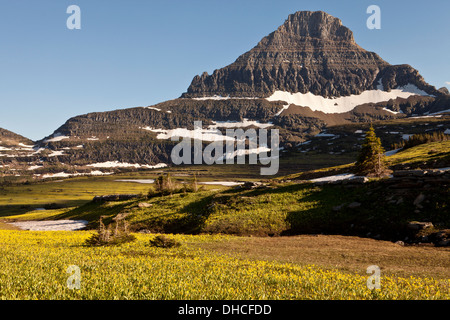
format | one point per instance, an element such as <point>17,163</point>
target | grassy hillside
<point>430,155</point>
<point>283,207</point>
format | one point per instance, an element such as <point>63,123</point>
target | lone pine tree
<point>371,160</point>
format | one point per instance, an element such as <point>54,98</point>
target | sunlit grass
<point>422,153</point>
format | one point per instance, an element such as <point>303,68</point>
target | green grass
<point>283,209</point>
<point>72,192</point>
<point>68,193</point>
<point>429,155</point>
<point>425,155</point>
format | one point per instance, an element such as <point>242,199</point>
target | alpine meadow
<point>304,168</point>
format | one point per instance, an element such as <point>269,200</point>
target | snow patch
<point>143,181</point>
<point>56,153</point>
<point>324,134</point>
<point>285,107</point>
<point>117,164</point>
<point>51,225</point>
<point>99,173</point>
<point>34,167</point>
<point>347,103</point>
<point>212,133</point>
<point>56,137</point>
<point>242,152</point>
<point>380,85</point>
<point>222,183</point>
<point>60,175</point>
<point>203,134</point>
<point>26,146</point>
<point>243,124</point>
<point>67,175</point>
<point>394,112</point>
<point>216,97</point>
<point>154,108</point>
<point>339,177</point>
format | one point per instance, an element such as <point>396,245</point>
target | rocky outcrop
<point>440,238</point>
<point>311,52</point>
<point>444,90</point>
<point>392,77</point>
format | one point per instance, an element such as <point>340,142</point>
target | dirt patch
<point>350,254</point>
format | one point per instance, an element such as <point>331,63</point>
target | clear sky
<point>132,53</point>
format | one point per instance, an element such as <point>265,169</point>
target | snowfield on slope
<point>212,133</point>
<point>344,104</point>
<point>117,164</point>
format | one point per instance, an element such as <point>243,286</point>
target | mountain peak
<point>316,24</point>
<point>311,52</point>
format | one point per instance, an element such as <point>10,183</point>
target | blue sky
<point>132,53</point>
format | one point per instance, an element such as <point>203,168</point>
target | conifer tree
<point>371,159</point>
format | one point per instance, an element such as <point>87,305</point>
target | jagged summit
<point>311,52</point>
<point>315,24</point>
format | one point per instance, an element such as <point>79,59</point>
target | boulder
<point>440,238</point>
<point>420,198</point>
<point>359,180</point>
<point>144,205</point>
<point>338,208</point>
<point>354,205</point>
<point>416,226</point>
<point>252,185</point>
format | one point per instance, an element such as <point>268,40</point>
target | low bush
<point>115,234</point>
<point>161,241</point>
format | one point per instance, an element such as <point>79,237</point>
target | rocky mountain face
<point>14,146</point>
<point>9,138</point>
<point>311,52</point>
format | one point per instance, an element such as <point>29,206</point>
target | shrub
<point>194,184</point>
<point>115,234</point>
<point>164,185</point>
<point>162,241</point>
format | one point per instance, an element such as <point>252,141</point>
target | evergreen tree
<point>371,160</point>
